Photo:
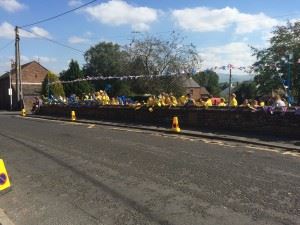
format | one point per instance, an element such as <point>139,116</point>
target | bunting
<point>93,78</point>
<point>246,69</point>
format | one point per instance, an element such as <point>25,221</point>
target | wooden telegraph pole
<point>18,70</point>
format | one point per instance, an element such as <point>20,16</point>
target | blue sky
<point>222,30</point>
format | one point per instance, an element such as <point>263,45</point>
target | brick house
<point>194,89</point>
<point>32,74</point>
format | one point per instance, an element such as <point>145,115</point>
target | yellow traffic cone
<point>73,116</point>
<point>175,125</point>
<point>23,112</point>
<point>4,180</point>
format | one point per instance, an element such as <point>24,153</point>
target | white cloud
<point>74,3</point>
<point>11,5</point>
<point>40,32</point>
<point>44,59</point>
<point>5,62</point>
<point>203,19</point>
<point>24,59</point>
<point>41,59</point>
<point>78,40</point>
<point>235,53</point>
<point>118,12</point>
<point>88,34</point>
<point>8,31</point>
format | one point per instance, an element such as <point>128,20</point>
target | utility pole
<point>10,83</point>
<point>229,91</point>
<point>289,83</point>
<point>18,69</point>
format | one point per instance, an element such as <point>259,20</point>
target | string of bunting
<point>246,69</point>
<point>90,78</point>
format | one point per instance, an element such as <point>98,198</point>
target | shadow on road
<point>129,202</point>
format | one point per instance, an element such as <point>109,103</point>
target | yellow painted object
<point>175,124</point>
<point>4,180</point>
<point>73,116</point>
<point>23,112</point>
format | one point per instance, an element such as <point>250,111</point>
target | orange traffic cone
<point>23,112</point>
<point>175,125</point>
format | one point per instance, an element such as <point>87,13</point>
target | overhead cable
<point>55,42</point>
<point>58,15</point>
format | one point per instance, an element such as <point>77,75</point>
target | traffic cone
<point>4,180</point>
<point>23,112</point>
<point>73,116</point>
<point>175,125</point>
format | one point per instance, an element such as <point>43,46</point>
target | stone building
<point>194,89</point>
<point>32,75</point>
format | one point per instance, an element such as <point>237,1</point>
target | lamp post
<point>289,79</point>
<point>288,59</point>
<point>48,87</point>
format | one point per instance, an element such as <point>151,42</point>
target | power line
<point>59,15</point>
<point>6,45</point>
<point>55,42</point>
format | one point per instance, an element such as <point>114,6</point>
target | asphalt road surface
<point>68,174</point>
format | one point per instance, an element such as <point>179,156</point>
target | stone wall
<point>233,119</point>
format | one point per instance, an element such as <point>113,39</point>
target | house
<point>194,89</point>
<point>32,75</point>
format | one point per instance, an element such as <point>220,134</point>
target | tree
<point>72,73</point>
<point>210,80</point>
<point>273,63</point>
<point>152,56</point>
<point>149,56</point>
<point>106,59</point>
<point>166,57</point>
<point>56,88</point>
<point>246,90</point>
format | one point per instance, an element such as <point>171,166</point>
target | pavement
<point>84,173</point>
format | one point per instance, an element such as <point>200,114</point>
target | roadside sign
<point>9,91</point>
<point>4,180</point>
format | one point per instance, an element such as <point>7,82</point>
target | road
<point>69,174</point>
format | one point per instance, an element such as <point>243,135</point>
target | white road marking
<point>262,148</point>
<point>295,154</point>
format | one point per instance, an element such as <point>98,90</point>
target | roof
<point>3,76</point>
<point>204,91</point>
<point>189,82</point>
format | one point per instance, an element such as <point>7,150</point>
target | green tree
<point>72,73</point>
<point>55,88</point>
<point>106,59</point>
<point>246,90</point>
<point>210,80</point>
<point>272,65</point>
